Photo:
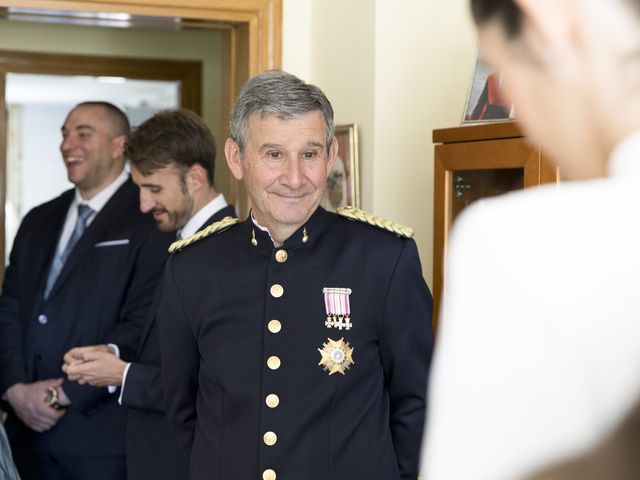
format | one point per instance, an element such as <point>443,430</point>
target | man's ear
<point>232,154</point>
<point>333,154</point>
<point>196,177</point>
<point>118,144</point>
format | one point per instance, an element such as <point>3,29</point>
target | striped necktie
<point>84,212</point>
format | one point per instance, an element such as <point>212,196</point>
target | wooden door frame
<point>188,73</point>
<point>252,38</point>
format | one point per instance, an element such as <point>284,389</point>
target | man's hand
<point>97,368</point>
<point>27,401</point>
<point>76,356</point>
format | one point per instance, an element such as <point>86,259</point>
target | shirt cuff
<point>124,379</point>
<point>116,350</point>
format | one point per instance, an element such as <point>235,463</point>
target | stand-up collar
<point>305,235</point>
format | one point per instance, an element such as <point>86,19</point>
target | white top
<point>96,203</point>
<point>195,223</point>
<point>538,354</point>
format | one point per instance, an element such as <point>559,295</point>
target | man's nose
<point>146,203</point>
<point>293,174</point>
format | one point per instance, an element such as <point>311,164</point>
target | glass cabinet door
<point>471,185</point>
<point>476,162</point>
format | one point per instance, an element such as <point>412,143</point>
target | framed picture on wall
<point>485,102</point>
<point>343,183</point>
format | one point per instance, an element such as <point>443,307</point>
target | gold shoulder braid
<point>353,213</point>
<point>205,232</point>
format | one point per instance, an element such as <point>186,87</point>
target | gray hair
<point>275,92</point>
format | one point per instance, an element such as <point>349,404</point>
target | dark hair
<point>275,92</point>
<point>172,137</point>
<point>118,119</point>
<point>503,10</point>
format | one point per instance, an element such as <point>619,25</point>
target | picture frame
<point>343,182</point>
<point>485,100</point>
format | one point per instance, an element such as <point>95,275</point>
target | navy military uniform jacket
<point>242,328</point>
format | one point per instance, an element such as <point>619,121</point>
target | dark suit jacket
<point>101,295</point>
<point>153,451</point>
<point>219,341</point>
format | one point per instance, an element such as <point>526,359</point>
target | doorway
<point>36,106</point>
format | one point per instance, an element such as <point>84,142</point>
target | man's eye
<point>274,154</point>
<point>84,135</point>
<point>155,189</point>
<point>311,154</point>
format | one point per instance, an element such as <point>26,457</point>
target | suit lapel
<point>118,205</point>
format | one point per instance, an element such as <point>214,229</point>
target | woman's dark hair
<point>503,10</point>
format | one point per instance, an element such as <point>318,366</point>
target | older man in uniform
<point>296,344</point>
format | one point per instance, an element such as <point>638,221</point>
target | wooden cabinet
<point>474,162</point>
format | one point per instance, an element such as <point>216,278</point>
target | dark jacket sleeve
<point>406,345</point>
<point>143,388</point>
<point>12,355</point>
<point>147,273</point>
<point>147,270</point>
<point>180,360</point>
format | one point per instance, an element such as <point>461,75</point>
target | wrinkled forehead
<point>276,124</point>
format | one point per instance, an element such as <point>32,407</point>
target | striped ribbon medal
<point>336,302</point>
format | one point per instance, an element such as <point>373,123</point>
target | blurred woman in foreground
<point>538,357</point>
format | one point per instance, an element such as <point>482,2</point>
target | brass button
<point>274,326</point>
<point>281,256</point>
<point>273,362</point>
<point>277,290</point>
<point>270,439</point>
<point>272,400</point>
<point>269,474</point>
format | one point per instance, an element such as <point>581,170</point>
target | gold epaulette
<point>205,232</point>
<point>354,213</point>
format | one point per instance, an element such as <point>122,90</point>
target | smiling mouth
<point>157,214</point>
<point>71,161</point>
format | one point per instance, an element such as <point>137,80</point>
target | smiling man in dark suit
<point>82,270</point>
<point>172,158</point>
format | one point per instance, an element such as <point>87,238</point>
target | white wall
<point>398,68</point>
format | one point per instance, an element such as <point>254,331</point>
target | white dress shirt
<point>538,354</point>
<point>196,222</point>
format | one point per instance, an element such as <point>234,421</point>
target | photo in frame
<point>485,101</point>
<point>343,183</point>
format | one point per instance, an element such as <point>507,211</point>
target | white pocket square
<point>112,243</point>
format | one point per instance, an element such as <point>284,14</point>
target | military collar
<point>259,236</point>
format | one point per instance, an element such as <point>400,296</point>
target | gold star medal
<point>336,356</point>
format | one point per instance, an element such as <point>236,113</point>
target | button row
<point>276,290</point>
<point>272,400</point>
<point>274,326</point>
<point>269,474</point>
<point>270,439</point>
